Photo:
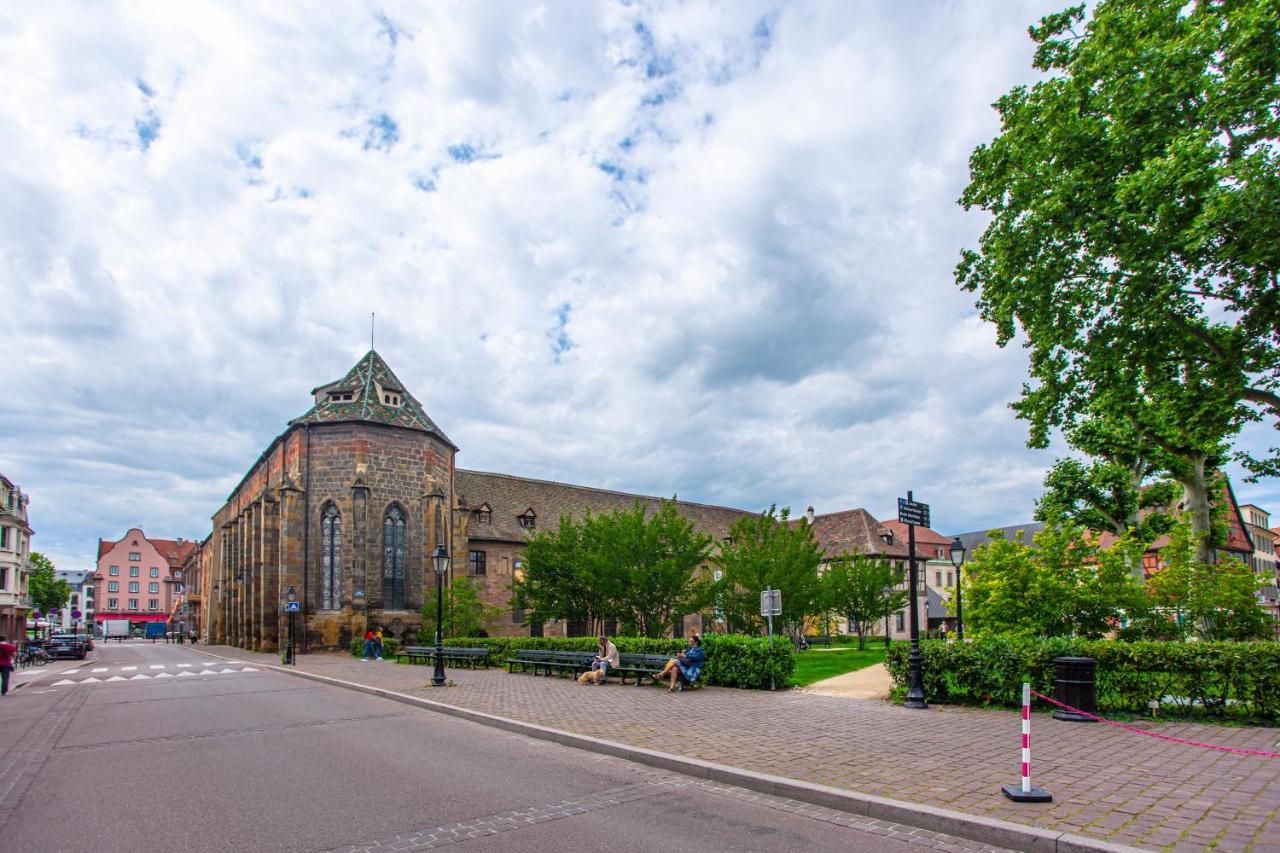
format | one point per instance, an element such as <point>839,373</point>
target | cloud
<point>658,247</point>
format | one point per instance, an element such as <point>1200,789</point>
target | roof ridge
<point>600,490</point>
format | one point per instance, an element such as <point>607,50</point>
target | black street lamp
<point>291,596</point>
<point>886,592</point>
<point>440,562</point>
<point>957,560</point>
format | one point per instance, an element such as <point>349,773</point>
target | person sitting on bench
<point>686,664</point>
<point>606,659</point>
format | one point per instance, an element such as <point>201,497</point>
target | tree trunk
<point>862,641</point>
<point>1196,500</point>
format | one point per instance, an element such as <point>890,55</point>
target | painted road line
<point>64,681</point>
<point>100,669</point>
<point>128,668</point>
<point>157,666</point>
<point>186,675</point>
<point>165,675</point>
<point>184,664</point>
<point>91,680</point>
<point>117,678</point>
<point>140,675</point>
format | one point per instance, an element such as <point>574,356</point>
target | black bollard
<point>1075,687</point>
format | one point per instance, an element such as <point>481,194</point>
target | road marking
<point>117,678</point>
<point>184,664</point>
<point>250,669</point>
<point>157,666</point>
<point>91,680</point>
<point>99,669</point>
<point>186,675</point>
<point>165,675</point>
<point>62,682</point>
<point>140,675</point>
<point>128,668</point>
<point>231,670</point>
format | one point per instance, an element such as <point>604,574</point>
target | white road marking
<point>250,669</point>
<point>91,680</point>
<point>128,668</point>
<point>62,682</point>
<point>164,675</point>
<point>99,669</point>
<point>231,670</point>
<point>186,675</point>
<point>184,664</point>
<point>157,666</point>
<point>117,678</point>
<point>140,675</point>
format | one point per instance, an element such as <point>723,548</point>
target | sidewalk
<point>1107,783</point>
<point>870,682</point>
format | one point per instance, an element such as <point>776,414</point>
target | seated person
<point>687,664</point>
<point>606,659</point>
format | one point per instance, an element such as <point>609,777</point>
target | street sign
<point>292,606</point>
<point>76,614</point>
<point>913,512</point>
<point>771,602</point>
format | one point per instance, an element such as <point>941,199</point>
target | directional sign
<point>292,606</point>
<point>913,512</point>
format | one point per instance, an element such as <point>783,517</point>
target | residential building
<point>138,578</point>
<point>81,600</point>
<point>15,550</point>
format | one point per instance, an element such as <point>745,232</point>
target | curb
<point>985,830</point>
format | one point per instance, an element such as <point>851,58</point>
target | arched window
<point>393,559</point>
<point>330,559</point>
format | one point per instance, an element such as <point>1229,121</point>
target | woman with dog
<point>606,659</point>
<point>686,664</point>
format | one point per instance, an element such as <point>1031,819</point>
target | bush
<point>390,645</point>
<point>733,660</point>
<point>1236,681</point>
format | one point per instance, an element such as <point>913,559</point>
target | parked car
<point>66,646</point>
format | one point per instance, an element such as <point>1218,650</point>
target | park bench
<point>545,661</point>
<point>818,640</point>
<point>455,656</point>
<point>639,667</point>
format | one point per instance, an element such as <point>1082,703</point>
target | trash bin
<point>1074,687</point>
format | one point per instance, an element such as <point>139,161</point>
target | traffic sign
<point>292,606</point>
<point>76,614</point>
<point>771,602</point>
<point>913,512</point>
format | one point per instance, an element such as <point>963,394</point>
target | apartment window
<point>177,575</point>
<point>153,588</point>
<point>937,578</point>
<point>113,604</point>
<point>901,625</point>
<point>4,538</point>
<point>178,588</point>
<point>135,556</point>
<point>948,578</point>
<point>133,586</point>
<point>4,578</point>
<point>476,562</point>
<point>133,604</point>
<point>133,571</point>
<point>155,573</point>
<point>113,586</point>
<point>153,604</point>
<point>114,571</point>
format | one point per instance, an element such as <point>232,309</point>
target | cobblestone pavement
<point>1106,783</point>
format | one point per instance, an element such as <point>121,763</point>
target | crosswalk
<point>155,672</point>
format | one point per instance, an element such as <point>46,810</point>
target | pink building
<point>138,578</point>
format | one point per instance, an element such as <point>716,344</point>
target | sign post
<point>291,607</point>
<point>771,606</point>
<point>912,513</point>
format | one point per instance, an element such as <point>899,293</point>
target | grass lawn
<point>815,665</point>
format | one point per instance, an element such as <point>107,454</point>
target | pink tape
<point>1170,738</point>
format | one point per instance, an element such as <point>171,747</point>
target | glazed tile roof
<point>510,497</point>
<point>362,381</point>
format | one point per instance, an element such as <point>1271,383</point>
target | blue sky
<point>703,249</point>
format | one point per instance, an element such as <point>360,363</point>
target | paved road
<point>150,747</point>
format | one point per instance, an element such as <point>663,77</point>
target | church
<point>345,508</point>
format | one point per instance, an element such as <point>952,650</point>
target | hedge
<point>1231,681</point>
<point>733,660</point>
<point>390,645</point>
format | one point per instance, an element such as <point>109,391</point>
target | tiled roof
<point>509,497</point>
<point>366,405</point>
<point>858,532</point>
<point>924,535</point>
<point>1027,532</point>
<point>175,551</point>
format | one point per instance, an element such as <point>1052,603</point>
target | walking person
<point>7,652</point>
<point>370,644</point>
<point>377,638</point>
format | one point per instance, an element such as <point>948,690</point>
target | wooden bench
<point>639,667</point>
<point>818,640</point>
<point>545,661</point>
<point>456,656</point>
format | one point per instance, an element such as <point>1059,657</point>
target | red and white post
<point>1024,793</point>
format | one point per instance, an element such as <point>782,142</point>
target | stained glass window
<point>393,559</point>
<point>331,559</point>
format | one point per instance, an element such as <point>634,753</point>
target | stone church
<point>346,506</point>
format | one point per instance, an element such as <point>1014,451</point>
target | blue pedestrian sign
<point>292,606</point>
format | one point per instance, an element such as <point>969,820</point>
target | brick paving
<point>1106,783</point>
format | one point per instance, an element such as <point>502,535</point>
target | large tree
<point>47,591</point>
<point>854,586</point>
<point>1134,193</point>
<point>768,551</point>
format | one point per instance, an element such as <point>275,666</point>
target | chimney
<point>808,515</point>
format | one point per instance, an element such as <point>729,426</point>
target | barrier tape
<point>1236,750</point>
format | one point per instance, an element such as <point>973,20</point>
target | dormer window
<point>528,519</point>
<point>887,535</point>
<point>341,396</point>
<point>483,514</point>
<point>390,399</point>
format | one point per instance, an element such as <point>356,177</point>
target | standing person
<point>378,639</point>
<point>686,664</point>
<point>7,651</point>
<point>370,643</point>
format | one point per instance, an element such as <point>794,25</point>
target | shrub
<point>1236,681</point>
<point>733,660</point>
<point>390,645</point>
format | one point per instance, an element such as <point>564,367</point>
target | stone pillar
<point>290,549</point>
<point>269,583</point>
<point>361,578</point>
<point>243,570</point>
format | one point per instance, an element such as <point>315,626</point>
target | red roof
<point>858,532</point>
<point>1237,539</point>
<point>173,550</point>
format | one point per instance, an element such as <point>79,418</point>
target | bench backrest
<point>535,654</point>
<point>644,660</point>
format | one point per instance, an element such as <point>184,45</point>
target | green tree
<point>853,586</point>
<point>1133,195</point>
<point>47,591</point>
<point>466,615</point>
<point>768,551</point>
<point>559,581</point>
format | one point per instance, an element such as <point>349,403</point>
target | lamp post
<point>957,560</point>
<point>291,596</point>
<point>440,562</point>
<point>886,591</point>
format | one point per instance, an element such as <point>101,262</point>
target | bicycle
<point>33,655</point>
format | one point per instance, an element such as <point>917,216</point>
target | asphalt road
<point>150,747</point>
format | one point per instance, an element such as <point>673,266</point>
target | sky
<point>694,249</point>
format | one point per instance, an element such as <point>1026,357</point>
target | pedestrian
<point>7,651</point>
<point>193,638</point>
<point>378,640</point>
<point>370,644</point>
<point>606,659</point>
<point>685,665</point>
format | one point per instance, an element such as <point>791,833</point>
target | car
<point>66,646</point>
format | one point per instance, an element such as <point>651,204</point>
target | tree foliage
<point>853,587</point>
<point>638,567</point>
<point>767,551</point>
<point>1133,195</point>
<point>465,614</point>
<point>47,591</point>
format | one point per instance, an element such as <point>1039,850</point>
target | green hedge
<point>1235,681</point>
<point>732,660</point>
<point>390,645</point>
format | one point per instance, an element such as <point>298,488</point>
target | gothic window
<point>393,559</point>
<point>330,559</point>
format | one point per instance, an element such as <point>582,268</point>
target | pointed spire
<point>370,392</point>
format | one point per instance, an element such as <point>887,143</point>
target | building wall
<point>152,568</point>
<point>15,549</point>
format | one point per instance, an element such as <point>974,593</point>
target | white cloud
<point>745,214</point>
